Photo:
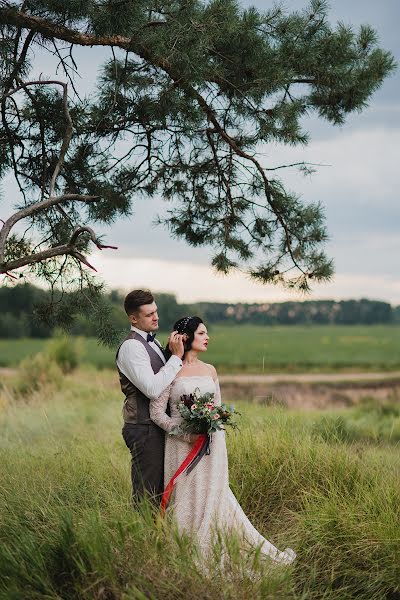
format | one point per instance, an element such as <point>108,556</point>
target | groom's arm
<point>133,361</point>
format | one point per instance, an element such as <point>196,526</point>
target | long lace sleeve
<point>157,411</point>
<point>160,417</point>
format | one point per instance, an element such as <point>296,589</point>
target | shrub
<point>65,351</point>
<point>36,372</point>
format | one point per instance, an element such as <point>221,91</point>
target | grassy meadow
<point>264,349</point>
<point>324,483</point>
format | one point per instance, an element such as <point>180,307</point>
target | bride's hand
<point>191,438</point>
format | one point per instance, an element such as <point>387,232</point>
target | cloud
<point>188,281</point>
<point>192,283</point>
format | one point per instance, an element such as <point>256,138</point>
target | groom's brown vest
<point>136,405</point>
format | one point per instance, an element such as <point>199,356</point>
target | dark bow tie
<point>150,337</point>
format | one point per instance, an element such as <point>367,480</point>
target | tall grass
<point>68,530</point>
<point>340,508</point>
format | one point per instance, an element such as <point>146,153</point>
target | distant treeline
<point>19,315</point>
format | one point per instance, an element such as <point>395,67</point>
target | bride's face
<point>201,338</point>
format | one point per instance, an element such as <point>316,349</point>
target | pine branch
<point>219,82</point>
<point>232,143</point>
<point>64,249</point>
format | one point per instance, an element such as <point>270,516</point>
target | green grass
<point>68,531</point>
<point>266,349</point>
<point>13,351</point>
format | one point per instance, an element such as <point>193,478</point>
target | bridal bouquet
<point>201,414</point>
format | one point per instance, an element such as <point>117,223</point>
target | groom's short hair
<point>134,300</point>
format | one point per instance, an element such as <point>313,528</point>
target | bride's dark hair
<point>186,325</point>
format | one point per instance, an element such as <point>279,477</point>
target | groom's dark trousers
<point>144,439</point>
<point>146,444</point>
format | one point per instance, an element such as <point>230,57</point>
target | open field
<point>322,482</point>
<point>249,349</point>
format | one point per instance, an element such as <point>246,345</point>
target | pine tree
<point>196,88</point>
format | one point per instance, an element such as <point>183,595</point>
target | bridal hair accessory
<point>183,324</point>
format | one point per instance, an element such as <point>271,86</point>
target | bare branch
<point>35,258</point>
<point>21,59</point>
<point>69,129</point>
<point>298,164</point>
<point>62,250</point>
<point>79,230</point>
<point>65,66</point>
<point>66,141</point>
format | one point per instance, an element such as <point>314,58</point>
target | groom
<point>144,374</point>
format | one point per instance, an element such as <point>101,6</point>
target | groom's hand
<point>176,344</point>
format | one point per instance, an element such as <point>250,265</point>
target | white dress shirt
<point>134,362</point>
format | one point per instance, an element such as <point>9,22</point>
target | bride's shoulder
<point>212,370</point>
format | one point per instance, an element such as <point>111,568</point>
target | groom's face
<point>146,317</point>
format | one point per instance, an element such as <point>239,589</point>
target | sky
<point>358,187</point>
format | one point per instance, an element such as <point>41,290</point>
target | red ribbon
<point>202,439</point>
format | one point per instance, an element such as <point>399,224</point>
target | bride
<point>202,498</point>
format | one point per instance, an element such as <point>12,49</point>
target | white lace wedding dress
<point>203,498</point>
